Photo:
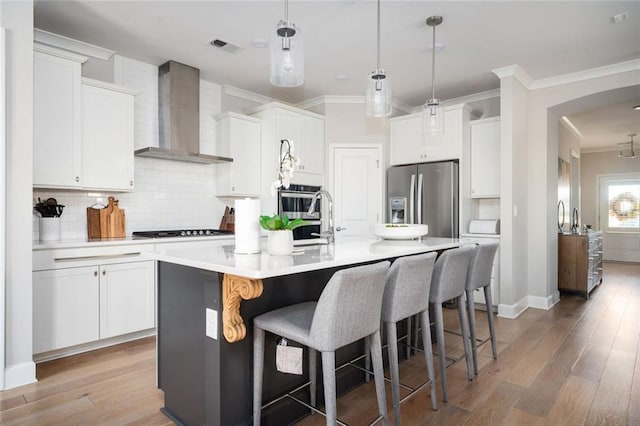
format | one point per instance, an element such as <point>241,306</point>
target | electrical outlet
<point>212,323</point>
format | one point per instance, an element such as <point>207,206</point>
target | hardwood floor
<point>576,364</point>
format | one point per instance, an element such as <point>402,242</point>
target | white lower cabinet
<point>86,301</point>
<point>65,308</point>
<point>127,298</point>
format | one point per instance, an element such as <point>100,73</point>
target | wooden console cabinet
<point>579,262</point>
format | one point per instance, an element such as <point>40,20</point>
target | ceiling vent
<point>225,45</point>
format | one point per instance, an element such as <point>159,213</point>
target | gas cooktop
<point>181,233</point>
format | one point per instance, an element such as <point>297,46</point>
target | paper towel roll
<point>247,226</point>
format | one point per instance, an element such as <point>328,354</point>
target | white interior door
<point>357,188</point>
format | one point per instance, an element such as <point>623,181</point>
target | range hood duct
<point>179,116</point>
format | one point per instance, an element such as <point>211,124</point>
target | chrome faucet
<point>328,234</point>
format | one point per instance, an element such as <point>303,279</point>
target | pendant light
<point>287,53</point>
<point>378,93</point>
<point>433,117</point>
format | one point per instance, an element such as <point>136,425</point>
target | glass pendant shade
<point>433,118</point>
<point>378,94</point>
<point>287,56</point>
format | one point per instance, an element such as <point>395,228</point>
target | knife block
<point>108,222</point>
<point>228,220</point>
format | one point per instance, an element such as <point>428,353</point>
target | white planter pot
<point>280,243</point>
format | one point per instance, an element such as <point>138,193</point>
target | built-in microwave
<point>295,202</point>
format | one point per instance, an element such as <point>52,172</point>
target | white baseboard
<point>19,374</point>
<point>545,303</point>
<point>513,311</point>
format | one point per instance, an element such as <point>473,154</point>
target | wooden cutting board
<point>108,222</point>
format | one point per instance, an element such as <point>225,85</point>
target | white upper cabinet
<point>485,158</point>
<point>409,144</point>
<point>83,129</point>
<point>57,151</point>
<point>239,137</point>
<point>306,130</point>
<point>107,136</point>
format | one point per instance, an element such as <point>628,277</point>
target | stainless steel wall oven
<point>295,202</point>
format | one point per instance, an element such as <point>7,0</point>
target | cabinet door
<point>127,298</point>
<point>65,308</point>
<point>407,142</point>
<point>311,146</point>
<point>56,122</point>
<point>447,146</point>
<point>107,138</point>
<point>239,139</point>
<point>485,159</point>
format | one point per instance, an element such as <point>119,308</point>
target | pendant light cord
<point>286,10</point>
<point>433,65</point>
<point>378,53</point>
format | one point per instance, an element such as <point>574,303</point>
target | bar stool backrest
<point>481,265</point>
<point>408,285</point>
<point>349,306</point>
<point>450,274</point>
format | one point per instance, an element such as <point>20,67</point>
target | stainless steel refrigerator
<point>425,193</point>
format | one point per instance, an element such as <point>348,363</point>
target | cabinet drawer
<point>85,256</point>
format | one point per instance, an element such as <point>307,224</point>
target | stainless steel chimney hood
<point>179,116</point>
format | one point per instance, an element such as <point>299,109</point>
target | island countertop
<point>219,256</point>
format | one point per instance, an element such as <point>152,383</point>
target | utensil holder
<point>49,228</point>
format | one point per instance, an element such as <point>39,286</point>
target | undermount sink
<point>392,231</point>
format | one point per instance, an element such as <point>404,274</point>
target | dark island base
<point>207,381</point>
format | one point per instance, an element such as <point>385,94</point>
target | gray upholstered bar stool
<point>348,310</point>
<point>449,282</point>
<point>479,276</point>
<point>408,284</point>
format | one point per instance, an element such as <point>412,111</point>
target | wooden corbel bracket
<point>234,290</point>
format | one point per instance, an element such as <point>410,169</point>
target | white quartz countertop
<point>219,256</point>
<point>85,242</point>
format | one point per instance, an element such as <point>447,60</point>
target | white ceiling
<point>545,38</point>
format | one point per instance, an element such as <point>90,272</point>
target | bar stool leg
<point>437,309</point>
<point>378,371</point>
<point>329,379</point>
<point>367,358</point>
<point>408,341</point>
<point>492,331</point>
<point>392,345</point>
<point>472,329</point>
<point>258,366</point>
<point>462,313</point>
<point>428,354</point>
<point>313,380</point>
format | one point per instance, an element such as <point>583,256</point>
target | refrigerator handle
<point>412,199</point>
<point>420,178</point>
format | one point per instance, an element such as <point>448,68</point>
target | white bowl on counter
<point>398,231</point>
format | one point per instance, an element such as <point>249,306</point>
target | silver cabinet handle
<point>104,272</point>
<point>77,178</point>
<point>130,183</point>
<point>95,273</point>
<point>340,228</point>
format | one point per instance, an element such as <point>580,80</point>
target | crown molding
<point>621,67</point>
<point>65,54</point>
<point>598,149</point>
<point>354,99</point>
<point>476,97</point>
<point>66,43</point>
<point>246,95</point>
<point>515,71</point>
<point>567,124</point>
<point>109,86</point>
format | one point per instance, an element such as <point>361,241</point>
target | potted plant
<point>280,237</point>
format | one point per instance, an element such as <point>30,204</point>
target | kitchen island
<point>207,298</point>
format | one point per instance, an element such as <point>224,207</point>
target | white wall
<point>17,18</point>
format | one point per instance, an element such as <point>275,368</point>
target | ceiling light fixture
<point>378,93</point>
<point>287,53</point>
<point>433,118</point>
<point>625,149</point>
